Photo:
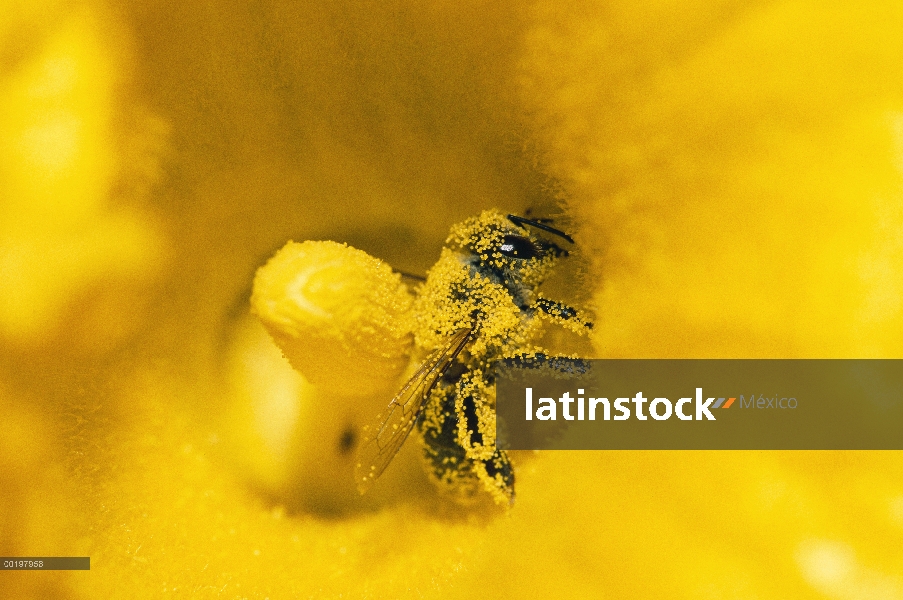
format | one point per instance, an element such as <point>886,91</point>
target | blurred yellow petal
<point>62,226</point>
<point>737,172</point>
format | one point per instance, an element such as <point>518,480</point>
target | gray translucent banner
<point>700,404</point>
<point>45,563</point>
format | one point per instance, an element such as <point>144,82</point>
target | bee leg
<point>473,410</point>
<point>562,314</point>
<point>496,476</point>
<point>499,469</point>
<point>458,465</point>
<point>448,465</point>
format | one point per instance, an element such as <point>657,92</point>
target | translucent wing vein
<point>392,427</point>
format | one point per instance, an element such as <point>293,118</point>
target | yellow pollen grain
<point>340,316</point>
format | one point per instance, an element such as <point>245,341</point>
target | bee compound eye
<point>516,246</point>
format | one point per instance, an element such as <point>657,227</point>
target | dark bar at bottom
<point>45,563</point>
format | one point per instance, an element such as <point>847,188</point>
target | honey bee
<point>478,305</point>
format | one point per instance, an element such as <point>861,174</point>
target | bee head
<point>506,246</point>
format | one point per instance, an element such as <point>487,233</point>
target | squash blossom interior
<point>735,174</point>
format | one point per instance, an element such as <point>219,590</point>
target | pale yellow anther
<point>340,316</point>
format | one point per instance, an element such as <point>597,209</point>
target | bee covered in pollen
<point>478,305</point>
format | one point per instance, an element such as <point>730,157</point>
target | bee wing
<point>392,426</point>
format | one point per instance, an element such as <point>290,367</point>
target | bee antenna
<point>410,275</point>
<point>521,221</point>
<point>529,215</point>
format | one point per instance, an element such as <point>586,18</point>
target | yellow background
<point>732,171</point>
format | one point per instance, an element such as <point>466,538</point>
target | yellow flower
<point>733,176</point>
